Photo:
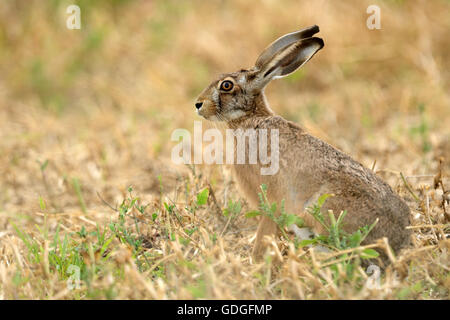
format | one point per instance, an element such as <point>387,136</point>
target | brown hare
<point>308,167</point>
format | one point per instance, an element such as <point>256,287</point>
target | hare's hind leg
<point>266,227</point>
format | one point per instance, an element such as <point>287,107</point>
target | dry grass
<point>85,114</point>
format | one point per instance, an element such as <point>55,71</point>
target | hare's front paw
<point>301,233</point>
<point>307,234</point>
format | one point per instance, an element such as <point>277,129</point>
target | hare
<point>308,167</point>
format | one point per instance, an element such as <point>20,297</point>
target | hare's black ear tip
<point>320,42</point>
<point>310,31</point>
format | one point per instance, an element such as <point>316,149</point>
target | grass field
<point>88,190</point>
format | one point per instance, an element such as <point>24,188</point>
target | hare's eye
<point>227,85</point>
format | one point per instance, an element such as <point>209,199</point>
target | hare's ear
<point>288,59</point>
<point>283,41</point>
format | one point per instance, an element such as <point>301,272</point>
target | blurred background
<point>85,114</point>
<point>95,107</point>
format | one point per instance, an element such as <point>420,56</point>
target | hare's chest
<point>247,180</point>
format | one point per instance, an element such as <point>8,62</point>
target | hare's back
<point>314,161</point>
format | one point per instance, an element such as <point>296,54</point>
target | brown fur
<point>309,167</point>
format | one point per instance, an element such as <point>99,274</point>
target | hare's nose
<point>198,105</point>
